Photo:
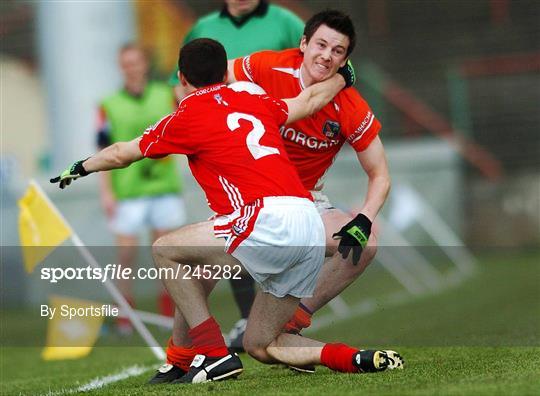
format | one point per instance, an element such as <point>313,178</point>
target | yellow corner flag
<point>72,337</point>
<point>41,228</point>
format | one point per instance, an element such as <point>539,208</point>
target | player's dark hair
<point>203,62</point>
<point>335,20</point>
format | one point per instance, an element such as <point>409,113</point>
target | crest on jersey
<point>219,99</point>
<point>331,129</point>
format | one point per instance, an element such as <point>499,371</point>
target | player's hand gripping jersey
<point>233,146</point>
<point>312,142</point>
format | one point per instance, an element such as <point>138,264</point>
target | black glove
<point>73,172</point>
<point>348,74</point>
<point>354,235</point>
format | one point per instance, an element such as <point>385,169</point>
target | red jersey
<point>313,142</point>
<point>232,143</point>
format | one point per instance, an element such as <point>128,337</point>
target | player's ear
<point>182,79</point>
<point>303,43</point>
<point>344,62</point>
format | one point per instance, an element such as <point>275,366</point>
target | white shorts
<point>160,212</point>
<point>321,201</point>
<point>279,240</point>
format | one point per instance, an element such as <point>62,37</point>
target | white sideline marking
<point>100,382</point>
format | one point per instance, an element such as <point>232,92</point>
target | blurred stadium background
<point>456,85</point>
<point>456,75</point>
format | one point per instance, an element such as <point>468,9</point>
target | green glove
<point>348,74</point>
<point>354,236</point>
<point>73,172</point>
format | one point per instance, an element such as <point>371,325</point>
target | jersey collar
<point>260,11</point>
<point>203,91</point>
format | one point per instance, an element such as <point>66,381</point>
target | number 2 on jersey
<point>253,138</point>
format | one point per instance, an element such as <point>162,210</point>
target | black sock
<point>244,293</point>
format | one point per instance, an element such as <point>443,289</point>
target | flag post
<point>109,285</point>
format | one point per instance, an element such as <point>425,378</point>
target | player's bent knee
<point>254,347</point>
<point>369,253</point>
<point>160,250</point>
<point>367,257</point>
<point>259,353</point>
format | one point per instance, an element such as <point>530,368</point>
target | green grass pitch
<point>481,337</point>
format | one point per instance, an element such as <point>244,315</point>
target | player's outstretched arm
<point>117,155</point>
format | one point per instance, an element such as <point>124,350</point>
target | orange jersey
<point>313,142</point>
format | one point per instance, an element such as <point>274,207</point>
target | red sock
<point>166,304</point>
<point>300,320</point>
<point>339,357</point>
<point>180,356</point>
<point>207,339</point>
